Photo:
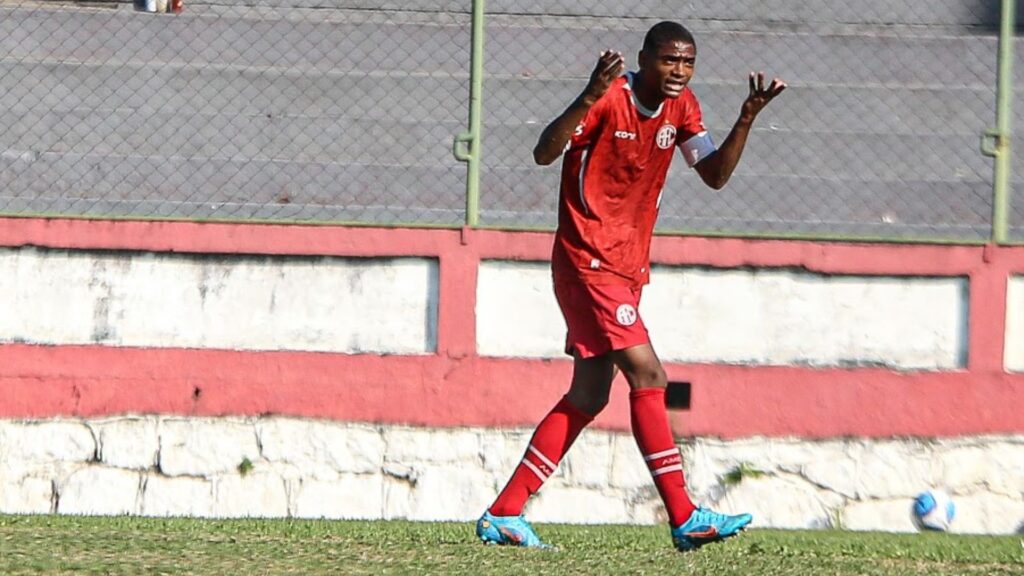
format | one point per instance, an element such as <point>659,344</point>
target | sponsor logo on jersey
<point>625,135</point>
<point>666,136</point>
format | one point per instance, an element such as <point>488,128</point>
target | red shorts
<point>600,318</point>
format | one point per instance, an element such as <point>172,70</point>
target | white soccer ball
<point>933,510</point>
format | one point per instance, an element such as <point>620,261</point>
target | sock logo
<point>538,463</point>
<point>664,462</point>
<point>674,459</point>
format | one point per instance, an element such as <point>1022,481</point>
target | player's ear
<point>640,59</point>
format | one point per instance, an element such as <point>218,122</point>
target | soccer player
<point>619,137</point>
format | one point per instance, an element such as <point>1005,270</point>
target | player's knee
<point>597,404</point>
<point>594,407</point>
<point>649,377</point>
<point>589,402</point>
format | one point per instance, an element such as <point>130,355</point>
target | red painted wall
<point>455,387</point>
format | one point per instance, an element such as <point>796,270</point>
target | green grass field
<point>66,545</point>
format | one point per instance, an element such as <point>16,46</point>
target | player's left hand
<point>760,96</point>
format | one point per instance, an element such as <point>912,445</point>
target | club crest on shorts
<point>666,136</point>
<point>625,314</point>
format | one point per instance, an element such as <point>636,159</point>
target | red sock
<point>654,437</point>
<point>551,440</point>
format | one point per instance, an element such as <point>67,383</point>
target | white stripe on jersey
<point>583,169</point>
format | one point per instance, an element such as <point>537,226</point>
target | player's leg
<point>555,434</point>
<point>591,383</point>
<point>503,523</point>
<point>593,372</point>
<point>691,526</point>
<point>649,419</point>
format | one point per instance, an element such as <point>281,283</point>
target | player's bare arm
<point>554,138</point>
<point>717,168</point>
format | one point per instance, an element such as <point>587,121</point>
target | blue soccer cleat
<point>508,530</point>
<point>705,526</point>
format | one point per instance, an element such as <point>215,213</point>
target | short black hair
<point>664,32</point>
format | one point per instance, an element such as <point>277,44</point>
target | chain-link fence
<point>877,135</point>
<point>344,111</point>
<point>275,109</point>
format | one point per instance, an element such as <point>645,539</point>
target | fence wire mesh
<point>1016,215</point>
<point>877,135</point>
<point>344,111</point>
<point>276,109</point>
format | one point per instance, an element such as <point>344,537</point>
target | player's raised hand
<point>760,96</point>
<point>554,139</point>
<point>609,67</point>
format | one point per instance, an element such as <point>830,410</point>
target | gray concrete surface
<point>344,110</point>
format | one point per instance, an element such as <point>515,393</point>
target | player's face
<point>669,69</point>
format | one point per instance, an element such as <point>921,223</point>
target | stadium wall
<point>433,351</point>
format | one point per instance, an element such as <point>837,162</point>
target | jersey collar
<point>640,107</point>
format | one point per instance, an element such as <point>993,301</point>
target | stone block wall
<point>289,467</point>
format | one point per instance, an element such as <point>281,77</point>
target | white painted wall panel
<point>516,311</point>
<point>790,317</point>
<point>771,317</point>
<point>226,302</point>
<point>1013,355</point>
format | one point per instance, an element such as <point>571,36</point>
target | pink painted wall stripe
<point>455,387</point>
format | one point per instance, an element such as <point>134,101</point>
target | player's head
<point>667,59</point>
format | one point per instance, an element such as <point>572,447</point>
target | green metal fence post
<point>996,143</point>
<point>470,153</point>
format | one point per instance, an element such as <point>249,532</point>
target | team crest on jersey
<point>666,136</point>
<point>625,314</point>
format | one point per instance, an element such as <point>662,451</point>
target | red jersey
<point>612,175</point>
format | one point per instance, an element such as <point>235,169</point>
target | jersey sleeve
<point>589,128</point>
<point>694,140</point>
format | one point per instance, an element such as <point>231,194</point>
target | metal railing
<point>996,142</point>
<point>1010,166</point>
<point>345,111</point>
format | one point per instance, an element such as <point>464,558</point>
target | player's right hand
<point>609,67</point>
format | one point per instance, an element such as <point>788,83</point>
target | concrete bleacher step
<point>193,90</point>
<point>197,90</point>
<point>772,148</point>
<point>810,108</point>
<point>852,156</point>
<point>911,12</point>
<point>308,41</point>
<point>220,188</point>
<point>770,203</point>
<point>168,133</point>
<point>964,13</point>
<point>872,57</point>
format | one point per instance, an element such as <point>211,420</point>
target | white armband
<point>697,148</point>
